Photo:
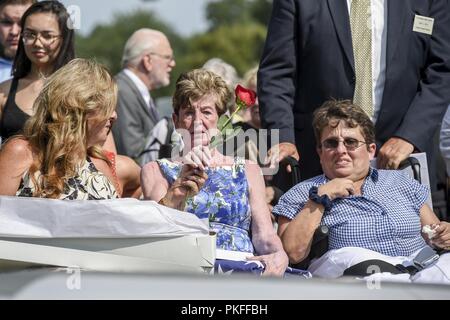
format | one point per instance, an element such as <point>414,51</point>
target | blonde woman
<point>59,155</point>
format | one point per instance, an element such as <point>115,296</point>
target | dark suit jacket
<point>134,119</point>
<point>308,59</point>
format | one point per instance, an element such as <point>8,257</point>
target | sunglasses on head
<point>349,143</point>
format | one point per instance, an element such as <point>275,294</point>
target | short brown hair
<point>333,111</point>
<point>4,3</point>
<point>197,83</point>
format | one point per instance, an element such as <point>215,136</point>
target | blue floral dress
<point>224,200</point>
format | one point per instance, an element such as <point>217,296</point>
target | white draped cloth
<point>333,264</point>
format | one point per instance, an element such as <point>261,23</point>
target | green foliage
<point>261,10</point>
<point>106,42</point>
<point>240,45</point>
<point>237,34</point>
<point>230,12</point>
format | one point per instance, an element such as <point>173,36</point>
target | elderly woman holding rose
<point>209,184</point>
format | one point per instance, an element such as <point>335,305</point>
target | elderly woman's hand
<point>191,179</point>
<point>441,238</point>
<point>189,183</point>
<point>275,263</point>
<point>199,157</point>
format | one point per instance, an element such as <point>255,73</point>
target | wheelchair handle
<point>415,166</point>
<point>295,176</point>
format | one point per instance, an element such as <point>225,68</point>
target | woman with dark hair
<point>46,44</point>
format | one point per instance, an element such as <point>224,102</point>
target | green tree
<point>239,44</point>
<point>237,35</point>
<point>106,42</point>
<point>229,12</point>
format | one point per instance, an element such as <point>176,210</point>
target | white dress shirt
<point>379,36</point>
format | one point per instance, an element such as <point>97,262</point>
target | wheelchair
<point>319,246</point>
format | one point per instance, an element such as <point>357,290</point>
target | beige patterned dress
<point>88,184</point>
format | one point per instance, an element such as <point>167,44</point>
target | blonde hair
<point>197,83</point>
<point>57,132</point>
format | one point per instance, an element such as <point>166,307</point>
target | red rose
<point>245,96</point>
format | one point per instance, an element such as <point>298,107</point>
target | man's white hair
<point>223,69</point>
<point>141,41</point>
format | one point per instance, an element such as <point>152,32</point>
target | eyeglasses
<point>168,57</point>
<point>46,38</point>
<point>9,22</point>
<point>350,143</point>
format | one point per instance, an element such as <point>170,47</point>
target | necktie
<point>361,26</point>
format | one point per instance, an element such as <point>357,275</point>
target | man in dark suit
<point>312,54</point>
<point>147,61</point>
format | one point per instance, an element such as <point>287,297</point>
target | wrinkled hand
<point>279,152</point>
<point>393,152</point>
<point>199,157</point>
<point>189,183</point>
<point>442,236</point>
<point>337,188</point>
<point>191,179</point>
<point>275,263</point>
<point>192,176</point>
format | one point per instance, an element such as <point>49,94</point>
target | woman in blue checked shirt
<point>370,213</point>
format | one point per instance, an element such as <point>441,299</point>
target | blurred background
<point>233,30</point>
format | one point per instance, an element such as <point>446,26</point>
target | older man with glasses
<point>378,214</point>
<point>147,63</point>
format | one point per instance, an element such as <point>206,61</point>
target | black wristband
<point>323,200</point>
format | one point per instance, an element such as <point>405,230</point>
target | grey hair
<point>223,69</point>
<point>140,42</point>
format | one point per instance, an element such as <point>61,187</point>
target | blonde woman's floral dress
<point>224,200</point>
<point>88,184</point>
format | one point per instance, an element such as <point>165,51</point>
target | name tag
<point>423,24</point>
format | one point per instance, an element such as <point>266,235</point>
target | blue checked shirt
<point>385,218</point>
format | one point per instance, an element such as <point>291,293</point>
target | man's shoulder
<point>125,86</point>
<point>121,77</point>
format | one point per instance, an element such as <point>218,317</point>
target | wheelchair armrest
<point>319,243</point>
<point>319,246</point>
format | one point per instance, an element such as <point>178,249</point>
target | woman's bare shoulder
<point>17,150</point>
<point>18,146</point>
